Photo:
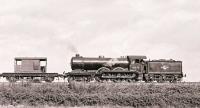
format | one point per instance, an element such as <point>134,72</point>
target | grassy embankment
<point>101,94</point>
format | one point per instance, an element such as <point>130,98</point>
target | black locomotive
<point>129,68</point>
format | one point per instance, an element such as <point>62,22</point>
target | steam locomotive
<point>125,68</point>
<point>129,68</point>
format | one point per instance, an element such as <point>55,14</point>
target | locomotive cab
<point>136,63</point>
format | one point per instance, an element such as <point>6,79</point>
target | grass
<point>45,106</point>
<point>101,94</point>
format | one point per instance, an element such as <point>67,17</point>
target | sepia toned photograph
<point>99,54</point>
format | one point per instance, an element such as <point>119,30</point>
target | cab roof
<point>137,57</point>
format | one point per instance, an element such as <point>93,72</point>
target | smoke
<point>71,47</point>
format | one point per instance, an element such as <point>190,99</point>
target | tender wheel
<point>160,79</point>
<point>175,79</point>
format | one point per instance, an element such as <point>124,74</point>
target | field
<point>100,94</point>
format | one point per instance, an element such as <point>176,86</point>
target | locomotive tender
<point>126,68</point>
<point>129,68</point>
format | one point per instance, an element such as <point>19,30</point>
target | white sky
<point>57,29</point>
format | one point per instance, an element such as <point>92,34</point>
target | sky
<point>58,29</point>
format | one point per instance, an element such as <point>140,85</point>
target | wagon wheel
<point>49,79</point>
<point>36,80</point>
<point>11,79</point>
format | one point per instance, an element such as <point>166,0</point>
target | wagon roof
<point>31,58</point>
